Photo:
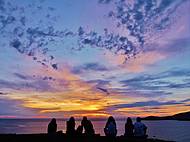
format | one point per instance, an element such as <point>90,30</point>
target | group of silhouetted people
<point>85,124</point>
<point>138,129</point>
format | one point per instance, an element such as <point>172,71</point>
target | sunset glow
<point>98,58</point>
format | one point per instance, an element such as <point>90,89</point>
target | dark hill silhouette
<point>184,116</point>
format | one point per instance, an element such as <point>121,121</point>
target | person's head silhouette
<point>138,119</point>
<point>53,121</point>
<point>129,121</point>
<point>111,119</point>
<point>84,121</point>
<point>52,126</point>
<point>72,120</point>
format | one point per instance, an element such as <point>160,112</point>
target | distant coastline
<point>184,116</point>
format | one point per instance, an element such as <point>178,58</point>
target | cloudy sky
<point>96,58</point>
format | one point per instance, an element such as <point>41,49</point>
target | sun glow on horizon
<point>99,58</point>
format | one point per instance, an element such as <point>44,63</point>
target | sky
<point>94,58</point>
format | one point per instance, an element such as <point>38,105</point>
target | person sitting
<point>52,127</point>
<point>79,130</point>
<point>140,128</point>
<point>70,130</point>
<point>88,127</point>
<point>110,128</point>
<point>129,128</point>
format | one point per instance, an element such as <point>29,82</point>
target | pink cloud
<point>137,64</point>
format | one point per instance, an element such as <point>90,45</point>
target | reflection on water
<point>165,129</point>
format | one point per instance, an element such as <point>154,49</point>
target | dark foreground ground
<point>64,138</point>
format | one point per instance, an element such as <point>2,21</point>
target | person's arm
<point>125,128</point>
<point>56,128</point>
<point>145,129</point>
<point>106,126</point>
<point>48,128</point>
<point>106,129</point>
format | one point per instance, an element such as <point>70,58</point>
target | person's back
<point>52,126</point>
<point>129,128</point>
<point>88,127</point>
<point>139,128</point>
<point>110,128</point>
<point>70,126</point>
<point>79,130</point>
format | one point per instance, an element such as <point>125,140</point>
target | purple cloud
<point>89,67</point>
<point>147,103</point>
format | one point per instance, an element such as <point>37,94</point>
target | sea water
<point>165,129</point>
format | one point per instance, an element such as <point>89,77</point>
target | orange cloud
<point>153,111</point>
<point>79,98</point>
<point>76,95</point>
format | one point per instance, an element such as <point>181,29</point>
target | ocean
<point>166,129</point>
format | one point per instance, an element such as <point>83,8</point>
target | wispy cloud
<point>147,103</point>
<point>14,108</point>
<point>163,80</point>
<point>3,93</point>
<point>38,85</point>
<point>137,39</point>
<point>89,67</point>
<point>23,77</point>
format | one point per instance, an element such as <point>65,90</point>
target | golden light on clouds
<point>70,95</point>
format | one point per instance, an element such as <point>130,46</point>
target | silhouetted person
<point>110,128</point>
<point>52,126</point>
<point>139,128</point>
<point>79,130</point>
<point>129,128</point>
<point>88,127</point>
<point>70,130</point>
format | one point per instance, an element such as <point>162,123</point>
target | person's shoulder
<point>136,123</point>
<point>143,124</point>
